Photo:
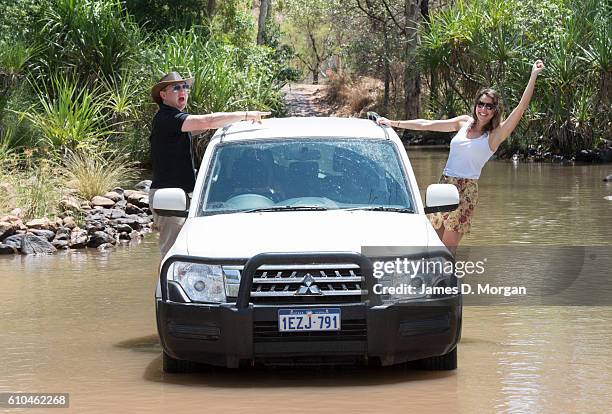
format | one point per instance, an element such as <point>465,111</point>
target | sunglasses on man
<point>487,105</point>
<point>176,88</point>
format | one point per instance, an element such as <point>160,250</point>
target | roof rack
<point>373,116</point>
<point>223,131</point>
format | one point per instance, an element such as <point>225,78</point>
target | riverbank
<point>533,153</point>
<point>341,100</point>
<point>114,218</point>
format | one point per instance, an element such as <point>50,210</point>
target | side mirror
<point>441,198</point>
<point>170,202</point>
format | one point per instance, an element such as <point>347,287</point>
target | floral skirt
<point>459,220</point>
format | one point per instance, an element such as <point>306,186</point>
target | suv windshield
<point>305,174</point>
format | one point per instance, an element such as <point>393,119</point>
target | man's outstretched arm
<point>198,123</point>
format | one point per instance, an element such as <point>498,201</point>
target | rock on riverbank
<point>116,217</point>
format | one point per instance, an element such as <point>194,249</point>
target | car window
<point>329,173</point>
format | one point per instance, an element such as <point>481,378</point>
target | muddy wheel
<point>444,362</point>
<point>177,366</point>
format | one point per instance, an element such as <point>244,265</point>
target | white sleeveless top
<point>467,156</point>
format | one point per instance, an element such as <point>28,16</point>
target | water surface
<point>84,323</point>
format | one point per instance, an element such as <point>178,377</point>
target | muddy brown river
<point>83,323</point>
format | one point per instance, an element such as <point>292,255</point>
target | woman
<point>478,138</point>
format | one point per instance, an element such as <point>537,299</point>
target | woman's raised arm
<point>506,127</point>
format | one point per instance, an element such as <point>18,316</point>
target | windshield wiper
<point>286,208</point>
<point>383,208</point>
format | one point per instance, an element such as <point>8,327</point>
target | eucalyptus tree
<point>379,26</point>
<point>397,22</point>
<point>262,17</point>
<point>309,26</point>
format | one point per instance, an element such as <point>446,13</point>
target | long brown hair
<point>495,121</point>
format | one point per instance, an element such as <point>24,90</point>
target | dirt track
<point>305,100</point>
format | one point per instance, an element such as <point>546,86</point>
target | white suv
<point>277,262</point>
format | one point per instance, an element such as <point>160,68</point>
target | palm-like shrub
<point>95,37</point>
<point>68,116</point>
<point>13,59</point>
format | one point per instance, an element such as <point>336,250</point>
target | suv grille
<point>310,284</point>
<point>320,283</point>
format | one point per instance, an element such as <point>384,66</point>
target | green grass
<point>92,174</point>
<point>31,184</point>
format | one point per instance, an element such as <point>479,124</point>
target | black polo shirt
<point>171,150</point>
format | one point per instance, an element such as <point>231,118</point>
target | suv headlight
<point>201,282</point>
<point>414,279</point>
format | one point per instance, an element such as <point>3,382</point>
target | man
<point>171,145</point>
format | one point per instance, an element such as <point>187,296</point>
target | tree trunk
<point>261,21</point>
<point>412,78</point>
<point>315,74</point>
<point>433,85</point>
<point>425,10</point>
<point>387,69</point>
<point>210,8</point>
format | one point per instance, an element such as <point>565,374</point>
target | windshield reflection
<point>305,174</point>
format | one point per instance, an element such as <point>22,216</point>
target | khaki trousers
<point>168,227</point>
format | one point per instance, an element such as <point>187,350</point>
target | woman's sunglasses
<point>489,106</point>
<point>178,87</point>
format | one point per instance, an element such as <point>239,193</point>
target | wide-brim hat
<point>169,79</point>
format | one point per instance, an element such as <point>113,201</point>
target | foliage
<point>233,24</point>
<point>161,15</point>
<point>14,57</point>
<point>226,78</point>
<point>492,42</point>
<point>93,38</point>
<point>17,136</point>
<point>69,117</point>
<point>7,143</point>
<point>94,173</point>
<point>30,184</point>
<point>282,54</point>
<point>310,27</point>
<point>384,48</point>
<point>18,17</point>
<point>122,97</point>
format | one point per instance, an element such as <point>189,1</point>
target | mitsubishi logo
<point>308,287</point>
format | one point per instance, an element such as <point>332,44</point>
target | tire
<point>177,366</point>
<point>446,362</point>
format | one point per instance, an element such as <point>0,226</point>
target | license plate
<point>300,320</point>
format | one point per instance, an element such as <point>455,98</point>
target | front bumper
<point>224,335</point>
<point>242,333</point>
